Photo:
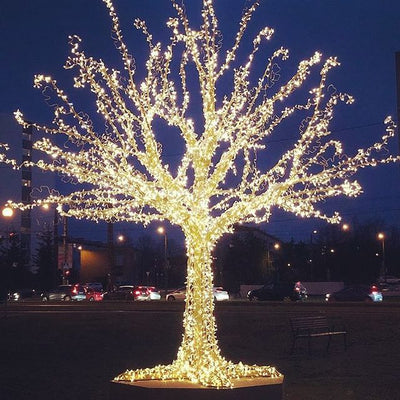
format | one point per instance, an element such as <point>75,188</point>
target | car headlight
<point>327,296</point>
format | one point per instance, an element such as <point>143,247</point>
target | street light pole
<point>65,246</point>
<point>381,237</point>
<point>312,258</point>
<point>162,231</point>
<point>7,213</point>
<point>277,247</point>
<point>56,276</point>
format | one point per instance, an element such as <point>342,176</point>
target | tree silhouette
<point>45,260</point>
<point>14,265</point>
<point>121,174</point>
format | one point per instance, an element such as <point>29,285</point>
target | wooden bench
<point>308,327</point>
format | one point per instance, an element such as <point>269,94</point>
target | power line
<point>356,127</point>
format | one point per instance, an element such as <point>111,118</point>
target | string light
<point>218,182</point>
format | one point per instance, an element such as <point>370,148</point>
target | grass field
<point>72,351</point>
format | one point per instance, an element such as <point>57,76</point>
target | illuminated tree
<point>121,175</point>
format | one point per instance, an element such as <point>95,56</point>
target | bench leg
<point>345,341</point>
<point>329,342</point>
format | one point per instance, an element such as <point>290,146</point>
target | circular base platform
<point>245,388</point>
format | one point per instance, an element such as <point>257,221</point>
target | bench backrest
<point>309,323</point>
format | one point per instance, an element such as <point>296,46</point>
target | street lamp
<point>345,227</point>
<point>7,213</point>
<point>162,231</point>
<point>381,237</point>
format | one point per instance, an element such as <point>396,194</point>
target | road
<point>236,306</point>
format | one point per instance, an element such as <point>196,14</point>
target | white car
<point>220,294</point>
<point>179,294</point>
<point>154,293</point>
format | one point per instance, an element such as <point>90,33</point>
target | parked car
<point>388,279</point>
<point>179,294</point>
<point>22,295</point>
<point>65,293</point>
<point>130,292</point>
<point>369,293</point>
<point>294,291</point>
<point>94,285</point>
<point>390,289</point>
<point>123,292</point>
<point>220,294</point>
<point>93,294</point>
<point>154,293</point>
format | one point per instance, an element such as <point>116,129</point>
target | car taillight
<point>75,290</point>
<point>374,289</point>
<point>136,292</point>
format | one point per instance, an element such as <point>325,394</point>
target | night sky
<point>363,34</point>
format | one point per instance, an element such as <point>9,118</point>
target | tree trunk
<point>199,353</point>
<point>199,359</point>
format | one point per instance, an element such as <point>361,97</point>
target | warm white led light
<point>219,182</point>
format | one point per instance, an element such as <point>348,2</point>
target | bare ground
<point>72,351</point>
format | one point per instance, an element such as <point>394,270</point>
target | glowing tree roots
<point>222,178</point>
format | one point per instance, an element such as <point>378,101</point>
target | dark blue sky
<point>363,34</point>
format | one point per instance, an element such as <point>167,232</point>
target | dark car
<point>369,293</point>
<point>294,291</point>
<point>22,295</point>
<point>65,293</point>
<point>128,292</point>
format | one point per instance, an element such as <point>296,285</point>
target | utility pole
<point>55,277</point>
<point>66,267</point>
<point>398,94</point>
<point>111,255</point>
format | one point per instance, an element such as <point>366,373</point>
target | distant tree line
<point>354,255</point>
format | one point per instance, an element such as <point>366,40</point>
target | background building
<point>17,185</point>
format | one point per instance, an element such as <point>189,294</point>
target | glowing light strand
<point>129,181</point>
